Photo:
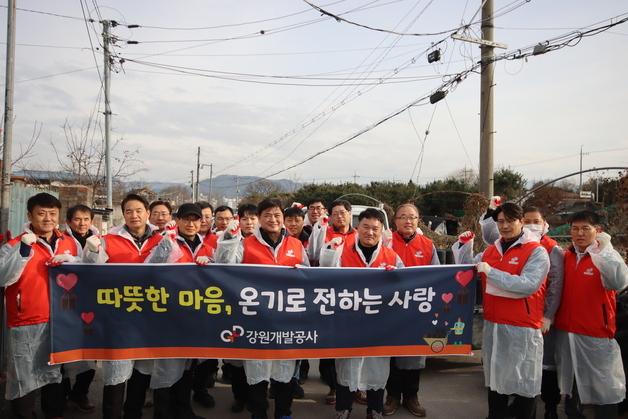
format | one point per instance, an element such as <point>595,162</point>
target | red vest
<point>548,243</point>
<point>121,249</point>
<point>211,240</point>
<point>203,249</point>
<point>350,258</point>
<point>522,312</point>
<point>28,300</point>
<point>586,307</point>
<point>289,252</point>
<point>348,237</point>
<point>416,252</point>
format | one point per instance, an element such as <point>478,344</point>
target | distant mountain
<point>227,185</point>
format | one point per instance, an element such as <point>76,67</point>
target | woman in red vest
<point>414,249</point>
<point>513,273</point>
<point>366,251</point>
<point>24,262</point>
<point>268,245</point>
<point>587,354</point>
<point>535,223</point>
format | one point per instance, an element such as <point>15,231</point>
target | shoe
<point>414,407</point>
<point>330,399</point>
<point>83,403</point>
<point>374,415</point>
<point>391,406</point>
<point>360,397</point>
<point>551,414</point>
<point>238,406</point>
<point>343,414</point>
<point>297,391</point>
<point>205,399</point>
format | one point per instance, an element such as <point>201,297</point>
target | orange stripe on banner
<point>435,349</point>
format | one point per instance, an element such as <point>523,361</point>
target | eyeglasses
<point>317,209</point>
<point>408,218</point>
<point>584,229</point>
<point>224,219</point>
<point>161,214</point>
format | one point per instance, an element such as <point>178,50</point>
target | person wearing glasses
<point>315,210</point>
<point>207,218</point>
<point>587,354</point>
<point>414,249</point>
<point>222,217</point>
<point>160,214</point>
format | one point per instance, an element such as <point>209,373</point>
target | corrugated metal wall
<point>19,195</point>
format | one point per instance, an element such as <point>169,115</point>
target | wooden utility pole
<point>486,102</point>
<point>7,139</point>
<point>196,196</point>
<point>107,72</point>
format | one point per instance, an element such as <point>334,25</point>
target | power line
<point>45,13</point>
<point>89,36</point>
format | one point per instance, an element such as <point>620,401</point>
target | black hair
<point>511,211</point>
<point>157,203</point>
<point>268,203</point>
<point>314,201</point>
<point>78,208</point>
<point>372,214</point>
<point>532,208</point>
<point>205,204</point>
<point>586,216</point>
<point>44,200</point>
<point>134,197</point>
<point>223,208</point>
<point>293,212</point>
<point>340,202</point>
<point>247,209</point>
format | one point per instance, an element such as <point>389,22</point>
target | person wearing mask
<point>414,249</point>
<point>223,216</point>
<point>79,227</point>
<point>130,243</point>
<point>513,272</point>
<point>534,222</point>
<point>587,354</point>
<point>268,245</point>
<point>172,379</point>
<point>160,214</point>
<point>24,262</point>
<point>365,374</point>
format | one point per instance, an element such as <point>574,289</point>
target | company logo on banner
<point>115,312</point>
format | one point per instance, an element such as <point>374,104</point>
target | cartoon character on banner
<point>67,282</point>
<point>463,278</point>
<point>437,340</point>
<point>458,330</point>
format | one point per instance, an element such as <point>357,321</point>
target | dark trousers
<point>202,372</point>
<point>174,402</point>
<point>239,386</point>
<point>257,402</point>
<point>112,401</point>
<point>52,402</point>
<point>498,406</point>
<point>136,389</point>
<point>344,399</point>
<point>80,389</point>
<point>550,393</point>
<point>403,382</point>
<point>327,369</point>
<point>573,408</point>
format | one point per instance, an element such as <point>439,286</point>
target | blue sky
<point>546,107</point>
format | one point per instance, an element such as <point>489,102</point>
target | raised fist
<point>466,237</point>
<point>29,238</point>
<point>93,243</point>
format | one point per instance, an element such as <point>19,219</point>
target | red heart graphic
<point>447,297</point>
<point>88,317</point>
<point>67,282</point>
<point>464,277</point>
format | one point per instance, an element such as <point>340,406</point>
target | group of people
<point>549,313</point>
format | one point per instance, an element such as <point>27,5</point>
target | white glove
<point>59,259</point>
<point>297,205</point>
<point>546,325</point>
<point>334,243</point>
<point>170,229</point>
<point>92,243</point>
<point>202,260</point>
<point>466,237</point>
<point>29,238</point>
<point>483,268</point>
<point>495,202</point>
<point>232,229</point>
<point>604,240</point>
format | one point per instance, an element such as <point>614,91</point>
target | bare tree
<point>26,150</point>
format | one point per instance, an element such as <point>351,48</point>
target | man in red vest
<point>535,223</point>
<point>130,243</point>
<point>268,245</point>
<point>587,354</point>
<point>414,249</point>
<point>367,251</point>
<point>513,272</point>
<point>323,233</point>
<point>24,262</point>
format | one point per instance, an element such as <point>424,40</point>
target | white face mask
<point>535,229</point>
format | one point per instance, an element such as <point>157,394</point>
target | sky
<point>343,79</point>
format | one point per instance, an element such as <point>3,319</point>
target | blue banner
<point>139,311</point>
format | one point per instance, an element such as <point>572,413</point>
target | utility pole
<point>107,70</point>
<point>7,142</point>
<point>580,187</point>
<point>355,177</point>
<point>198,174</point>
<point>486,102</point>
<point>237,190</point>
<point>192,184</point>
<point>211,180</point>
